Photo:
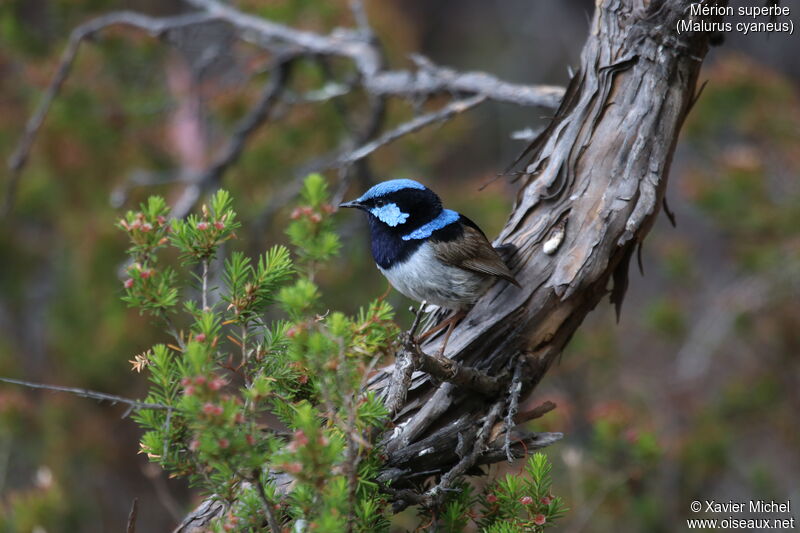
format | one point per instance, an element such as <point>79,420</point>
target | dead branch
<point>417,123</point>
<point>467,461</point>
<point>86,393</point>
<point>367,59</point>
<point>451,371</point>
<point>513,404</point>
<point>360,46</point>
<point>404,366</point>
<point>537,412</point>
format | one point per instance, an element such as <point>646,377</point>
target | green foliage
<point>522,503</point>
<point>228,368</point>
<point>251,289</point>
<point>149,288</point>
<point>456,513</point>
<point>198,237</point>
<point>310,230</point>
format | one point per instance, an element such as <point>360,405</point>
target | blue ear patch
<point>389,214</point>
<point>445,218</point>
<point>388,187</point>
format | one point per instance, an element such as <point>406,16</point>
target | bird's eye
<point>379,203</point>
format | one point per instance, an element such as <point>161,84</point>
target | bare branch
<point>86,393</point>
<point>448,111</point>
<point>204,289</point>
<point>441,80</point>
<point>444,369</point>
<point>513,404</point>
<point>268,506</point>
<point>360,15</point>
<point>360,46</point>
<point>367,58</point>
<point>469,460</point>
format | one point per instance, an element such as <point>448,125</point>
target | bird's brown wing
<point>473,252</point>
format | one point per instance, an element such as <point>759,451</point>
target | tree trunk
<point>589,194</point>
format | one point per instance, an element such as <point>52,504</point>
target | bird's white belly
<point>424,277</point>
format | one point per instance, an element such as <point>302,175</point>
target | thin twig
<point>364,52</point>
<point>537,412</point>
<point>173,331</point>
<point>360,16</point>
<point>450,370</point>
<point>167,427</point>
<point>368,60</point>
<point>155,475</point>
<point>417,123</point>
<point>469,460</point>
<point>513,405</point>
<point>245,355</point>
<point>269,507</point>
<point>205,285</point>
<point>86,393</point>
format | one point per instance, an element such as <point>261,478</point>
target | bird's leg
<point>449,323</point>
<point>447,335</point>
<point>435,329</point>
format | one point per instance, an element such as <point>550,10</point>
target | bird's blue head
<point>400,206</point>
<point>402,215</point>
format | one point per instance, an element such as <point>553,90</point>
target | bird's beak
<point>353,204</point>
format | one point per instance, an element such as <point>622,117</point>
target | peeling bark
<point>597,173</point>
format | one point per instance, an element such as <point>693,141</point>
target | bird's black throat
<point>389,248</point>
<point>387,244</point>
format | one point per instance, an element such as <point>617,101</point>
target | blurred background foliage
<point>693,395</point>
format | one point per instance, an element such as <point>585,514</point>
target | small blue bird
<point>429,253</point>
